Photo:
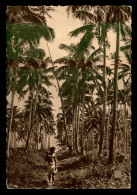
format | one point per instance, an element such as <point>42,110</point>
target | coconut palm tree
<point>117,15</point>
<point>103,16</point>
<point>43,113</point>
<point>32,79</point>
<point>94,15</point>
<point>11,77</point>
<point>66,72</point>
<point>17,116</point>
<point>22,34</point>
<point>77,70</point>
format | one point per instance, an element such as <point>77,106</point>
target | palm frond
<point>84,43</point>
<point>80,30</point>
<point>68,48</point>
<point>128,56</point>
<point>126,47</point>
<point>63,60</point>
<point>81,12</point>
<point>95,53</point>
<point>46,81</point>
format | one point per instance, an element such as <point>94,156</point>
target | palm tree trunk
<point>62,103</point>
<point>74,127</point>
<point>15,142</point>
<point>74,121</point>
<point>48,140</point>
<point>11,140</point>
<point>124,126</point>
<point>108,130</point>
<point>115,143</point>
<point>38,128</point>
<point>76,112</point>
<point>82,126</point>
<point>32,117</point>
<point>111,150</point>
<point>103,126</point>
<point>122,138</point>
<point>30,124</point>
<point>77,138</point>
<point>10,125</point>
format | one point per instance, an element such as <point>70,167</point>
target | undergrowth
<point>74,171</point>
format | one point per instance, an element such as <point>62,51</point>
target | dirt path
<point>61,164</point>
<point>43,181</point>
<point>32,172</point>
<point>73,172</point>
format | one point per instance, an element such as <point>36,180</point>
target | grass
<point>74,171</point>
<point>26,170</point>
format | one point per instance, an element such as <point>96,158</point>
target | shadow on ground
<point>71,165</point>
<point>43,167</point>
<point>31,185</point>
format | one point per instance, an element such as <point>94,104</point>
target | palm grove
<point>95,113</point>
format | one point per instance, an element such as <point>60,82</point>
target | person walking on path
<point>52,165</point>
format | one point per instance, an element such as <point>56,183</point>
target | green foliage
<point>19,35</point>
<point>82,29</point>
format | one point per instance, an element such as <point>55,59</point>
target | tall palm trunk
<point>49,141</point>
<point>108,129</point>
<point>103,125</point>
<point>62,103</point>
<point>82,126</point>
<point>30,124</point>
<point>75,117</point>
<point>15,137</point>
<point>48,136</point>
<point>12,139</point>
<point>75,135</point>
<point>116,144</point>
<point>10,125</point>
<point>127,132</point>
<point>33,116</point>
<point>38,130</point>
<point>124,126</point>
<point>48,133</point>
<point>74,129</point>
<point>111,150</point>
<point>77,130</point>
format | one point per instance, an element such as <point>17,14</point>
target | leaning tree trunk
<point>111,150</point>
<point>103,125</point>
<point>10,125</point>
<point>62,103</point>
